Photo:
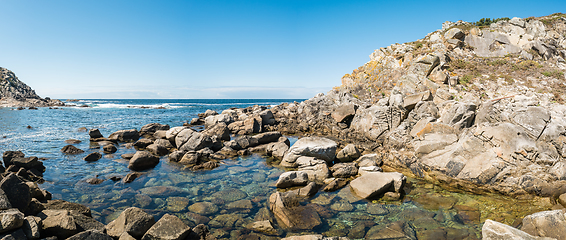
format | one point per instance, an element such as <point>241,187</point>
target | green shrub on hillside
<point>487,21</point>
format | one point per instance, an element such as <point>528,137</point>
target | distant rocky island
<point>15,93</point>
<point>476,107</point>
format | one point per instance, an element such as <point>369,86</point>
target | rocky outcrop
<point>15,93</point>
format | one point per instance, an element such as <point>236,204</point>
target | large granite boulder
<point>58,223</point>
<point>374,184</point>
<point>143,160</point>
<point>219,130</point>
<point>132,221</point>
<point>171,134</point>
<point>196,142</point>
<point>290,214</point>
<point>318,147</point>
<point>169,227</point>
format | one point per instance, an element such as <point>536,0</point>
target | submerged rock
<point>292,215</point>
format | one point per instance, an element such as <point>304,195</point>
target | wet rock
<point>342,206</point>
<point>492,230</point>
<point>308,191</point>
<point>545,224</point>
<point>391,196</point>
<point>263,227</point>
<point>377,209</point>
<point>240,204</point>
<point>227,221</point>
<point>91,157</point>
<point>290,214</point>
<point>395,230</point>
<point>28,163</point>
<point>130,135</point>
<point>133,221</point>
<point>95,133</point>
<point>132,176</point>
<point>292,178</point>
<point>374,184</point>
<point>348,154</point>
<point>95,181</point>
<point>109,149</point>
<point>70,149</point>
<point>11,219</point>
<point>318,147</point>
<point>72,141</point>
<point>177,204</point>
<point>169,227</point>
<point>151,128</point>
<point>143,160</point>
<point>17,191</point>
<point>230,195</point>
<point>158,150</point>
<point>90,235</point>
<point>7,157</point>
<point>16,235</point>
<point>204,208</point>
<point>143,143</point>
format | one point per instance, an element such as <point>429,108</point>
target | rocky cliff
<point>14,92</point>
<point>477,108</point>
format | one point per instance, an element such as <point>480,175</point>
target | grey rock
<point>292,215</point>
<point>344,170</point>
<point>171,134</point>
<point>277,150</point>
<point>316,169</point>
<point>158,150</point>
<point>268,137</point>
<point>70,149</point>
<point>344,112</point>
<point>7,157</point>
<point>109,149</point>
<point>143,143</point>
<point>10,219</point>
<point>219,130</point>
<point>374,184</point>
<point>348,153</point>
<point>133,221</point>
<point>94,133</point>
<point>4,201</point>
<point>210,121</point>
<point>492,230</point>
<point>321,148</point>
<point>31,228</point>
<point>292,178</point>
<point>196,142</point>
<point>91,157</point>
<point>130,135</point>
<point>58,223</point>
<point>151,128</point>
<point>545,224</point>
<point>454,33</point>
<point>143,160</point>
<point>169,227</point>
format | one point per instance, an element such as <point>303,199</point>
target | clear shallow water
<point>236,193</point>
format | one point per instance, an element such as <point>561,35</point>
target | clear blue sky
<point>216,49</point>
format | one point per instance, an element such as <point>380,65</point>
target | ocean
<point>237,192</point>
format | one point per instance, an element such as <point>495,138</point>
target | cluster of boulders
<point>27,212</point>
<point>547,225</point>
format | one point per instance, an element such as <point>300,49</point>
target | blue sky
<point>216,49</point>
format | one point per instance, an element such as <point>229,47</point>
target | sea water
<point>234,194</point>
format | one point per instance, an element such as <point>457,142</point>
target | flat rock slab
<point>377,183</point>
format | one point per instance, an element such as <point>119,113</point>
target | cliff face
<point>463,60</point>
<point>12,87</point>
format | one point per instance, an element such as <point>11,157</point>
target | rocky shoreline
<point>426,109</point>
